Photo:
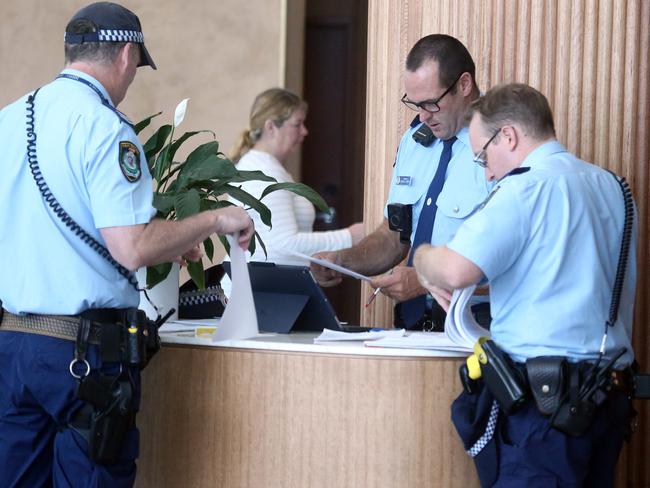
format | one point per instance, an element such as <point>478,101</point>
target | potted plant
<point>200,182</point>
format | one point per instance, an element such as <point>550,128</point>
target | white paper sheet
<point>329,335</point>
<point>330,265</point>
<point>239,320</point>
<point>419,340</point>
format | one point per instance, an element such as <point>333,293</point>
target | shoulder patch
<point>130,161</point>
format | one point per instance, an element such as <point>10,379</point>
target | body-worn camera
<point>400,219</point>
<point>424,135</point>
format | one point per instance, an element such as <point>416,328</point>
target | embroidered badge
<point>130,161</point>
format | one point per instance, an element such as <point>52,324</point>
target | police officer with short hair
<point>434,178</point>
<point>549,241</point>
<point>76,200</point>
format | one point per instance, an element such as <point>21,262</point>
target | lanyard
<point>101,96</point>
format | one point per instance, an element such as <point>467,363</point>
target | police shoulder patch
<point>130,161</point>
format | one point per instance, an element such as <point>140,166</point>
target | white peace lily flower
<point>179,113</point>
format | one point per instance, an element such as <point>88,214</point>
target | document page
<point>239,320</point>
<point>330,265</point>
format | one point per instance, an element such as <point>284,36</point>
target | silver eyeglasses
<point>480,157</point>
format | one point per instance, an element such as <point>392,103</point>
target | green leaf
<point>155,143</point>
<point>155,274</point>
<point>210,168</point>
<point>202,152</point>
<point>197,273</point>
<point>299,189</point>
<point>178,142</point>
<point>187,203</point>
<point>164,203</point>
<point>224,243</point>
<point>257,236</point>
<point>242,176</point>
<point>163,163</point>
<point>215,204</point>
<point>248,199</point>
<point>208,245</point>
<point>144,123</point>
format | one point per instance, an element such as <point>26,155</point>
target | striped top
<point>292,216</point>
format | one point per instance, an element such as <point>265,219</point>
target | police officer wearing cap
<point>433,175</point>
<point>76,213</point>
<point>549,241</point>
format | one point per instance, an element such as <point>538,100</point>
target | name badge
<point>404,180</point>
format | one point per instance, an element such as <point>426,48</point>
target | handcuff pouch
<point>547,377</point>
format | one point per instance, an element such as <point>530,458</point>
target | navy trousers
<point>531,454</point>
<point>37,400</point>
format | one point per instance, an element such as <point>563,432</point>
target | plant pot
<point>164,295</point>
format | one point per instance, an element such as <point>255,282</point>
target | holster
<point>107,416</point>
<point>547,377</point>
<point>502,378</point>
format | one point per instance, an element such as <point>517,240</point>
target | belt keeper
<point>81,344</point>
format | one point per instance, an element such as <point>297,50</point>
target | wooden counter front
<point>240,418</point>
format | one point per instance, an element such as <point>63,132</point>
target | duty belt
<point>59,326</point>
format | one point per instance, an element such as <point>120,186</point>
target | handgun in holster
<point>504,381</point>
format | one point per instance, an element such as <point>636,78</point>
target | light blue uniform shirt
<point>46,268</point>
<point>548,240</point>
<point>464,189</point>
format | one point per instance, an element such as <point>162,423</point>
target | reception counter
<point>281,411</point>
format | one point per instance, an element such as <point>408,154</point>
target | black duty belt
<point>59,326</point>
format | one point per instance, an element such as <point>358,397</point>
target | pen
<point>376,292</point>
<point>373,296</point>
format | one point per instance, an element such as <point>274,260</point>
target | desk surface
<point>301,342</point>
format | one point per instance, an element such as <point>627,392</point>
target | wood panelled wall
<point>589,57</point>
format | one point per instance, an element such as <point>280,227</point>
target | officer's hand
<point>440,295</point>
<point>401,284</point>
<point>235,219</point>
<point>326,277</point>
<point>193,254</point>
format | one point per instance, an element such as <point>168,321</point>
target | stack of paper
<point>461,326</point>
<point>461,329</point>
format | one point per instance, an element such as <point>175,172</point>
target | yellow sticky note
<point>205,331</point>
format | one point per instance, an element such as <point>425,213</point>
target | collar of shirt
<point>542,152</point>
<point>89,79</point>
<point>463,136</point>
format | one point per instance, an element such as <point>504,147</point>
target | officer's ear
<point>129,53</point>
<point>465,84</point>
<point>511,136</point>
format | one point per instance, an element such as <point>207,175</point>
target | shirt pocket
<point>458,204</point>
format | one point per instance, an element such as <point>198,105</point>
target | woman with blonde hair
<point>276,131</point>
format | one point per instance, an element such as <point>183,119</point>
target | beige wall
<point>219,54</point>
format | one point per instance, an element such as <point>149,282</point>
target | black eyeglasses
<point>430,106</point>
<point>480,157</point>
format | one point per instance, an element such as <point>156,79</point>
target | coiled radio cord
<point>56,207</point>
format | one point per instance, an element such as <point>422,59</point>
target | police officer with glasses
<point>76,199</point>
<point>435,185</point>
<point>556,240</point>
